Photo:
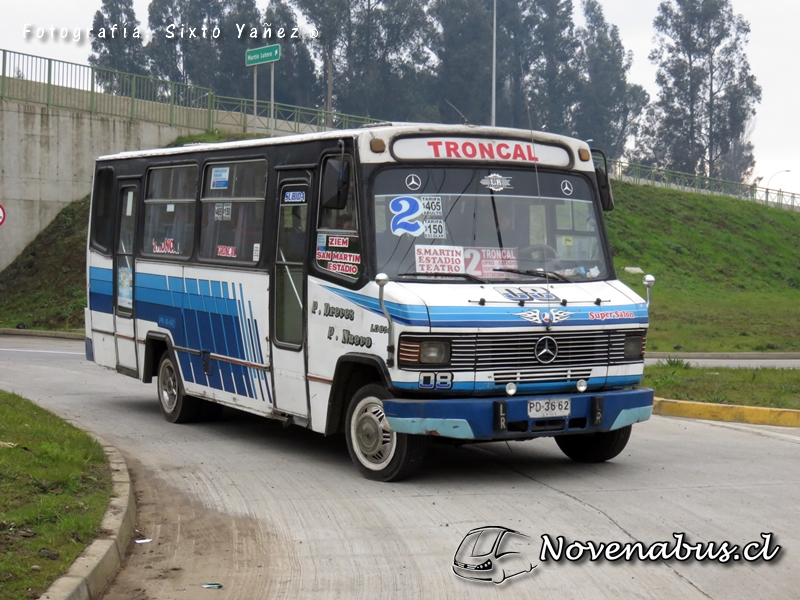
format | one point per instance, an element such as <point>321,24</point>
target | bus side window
<point>103,211</point>
<point>169,209</point>
<point>331,217</point>
<point>233,211</point>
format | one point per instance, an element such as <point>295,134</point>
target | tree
<point>384,47</point>
<point>330,18</point>
<point>608,107</point>
<point>707,90</point>
<point>464,71</point>
<point>183,49</point>
<point>117,48</point>
<point>552,78</point>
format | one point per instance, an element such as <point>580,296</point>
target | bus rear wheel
<point>594,447</point>
<point>176,406</point>
<point>378,452</point>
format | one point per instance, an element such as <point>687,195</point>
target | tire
<point>176,406</point>
<point>594,447</point>
<point>378,452</point>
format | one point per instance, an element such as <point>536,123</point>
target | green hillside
<point>727,271</point>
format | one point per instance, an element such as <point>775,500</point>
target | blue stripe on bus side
<point>207,317</point>
<point>101,274</point>
<point>100,302</point>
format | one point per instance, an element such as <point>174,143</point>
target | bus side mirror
<point>336,184</point>
<point>603,181</point>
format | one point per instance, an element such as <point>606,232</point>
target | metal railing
<point>645,175</point>
<point>99,91</point>
<point>60,84</point>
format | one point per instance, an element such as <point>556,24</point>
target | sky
<point>771,52</point>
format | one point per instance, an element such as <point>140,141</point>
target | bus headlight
<point>434,353</point>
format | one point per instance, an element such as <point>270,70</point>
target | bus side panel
<point>341,321</point>
<point>100,322</point>
<point>217,319</point>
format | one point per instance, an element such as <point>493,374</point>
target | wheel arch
<point>156,343</point>
<point>353,371</point>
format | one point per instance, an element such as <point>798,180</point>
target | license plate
<point>543,409</point>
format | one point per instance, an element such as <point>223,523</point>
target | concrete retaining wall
<point>47,159</point>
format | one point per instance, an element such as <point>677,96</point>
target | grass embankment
<point>766,387</point>
<point>55,485</point>
<point>727,271</point>
<point>45,287</point>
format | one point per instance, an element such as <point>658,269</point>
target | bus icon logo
<point>486,554</point>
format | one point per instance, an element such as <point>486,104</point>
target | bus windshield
<point>490,223</point>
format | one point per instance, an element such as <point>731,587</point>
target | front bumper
<point>501,418</point>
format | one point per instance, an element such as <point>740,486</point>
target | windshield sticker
<point>226,251</point>
<point>222,211</point>
<point>432,205</point>
<point>545,317</point>
<point>439,259</point>
<point>256,252</point>
<point>219,178</point>
<point>489,262</point>
<point>435,229</point>
<point>405,209</point>
<point>497,183</point>
<point>532,294</point>
<point>339,254</point>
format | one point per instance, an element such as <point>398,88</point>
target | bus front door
<point>288,290</point>
<point>124,317</point>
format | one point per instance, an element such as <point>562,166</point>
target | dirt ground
<point>190,546</point>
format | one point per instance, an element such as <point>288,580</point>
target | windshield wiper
<point>536,273</point>
<point>464,275</point>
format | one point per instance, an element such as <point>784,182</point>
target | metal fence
<point>105,92</point>
<point>644,175</point>
<point>99,91</point>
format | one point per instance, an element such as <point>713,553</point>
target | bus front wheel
<point>176,406</point>
<point>378,452</point>
<point>594,447</point>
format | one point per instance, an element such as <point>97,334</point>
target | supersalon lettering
<point>483,149</point>
<point>611,314</point>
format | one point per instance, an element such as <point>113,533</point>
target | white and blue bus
<point>393,283</point>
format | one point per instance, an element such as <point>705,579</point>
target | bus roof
<point>386,131</point>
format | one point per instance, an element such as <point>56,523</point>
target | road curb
<point>755,415</point>
<point>99,563</point>
<point>726,355</point>
<point>69,335</point>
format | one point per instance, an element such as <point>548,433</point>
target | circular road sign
<point>2,214</point>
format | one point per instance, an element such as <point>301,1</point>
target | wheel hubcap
<point>169,388</point>
<point>373,435</point>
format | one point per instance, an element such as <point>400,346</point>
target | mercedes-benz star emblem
<point>413,182</point>
<point>546,350</point>
<point>566,188</point>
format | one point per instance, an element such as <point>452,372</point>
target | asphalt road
<point>282,513</point>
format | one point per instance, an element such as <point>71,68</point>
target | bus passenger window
<point>103,211</point>
<point>233,211</point>
<point>169,207</point>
